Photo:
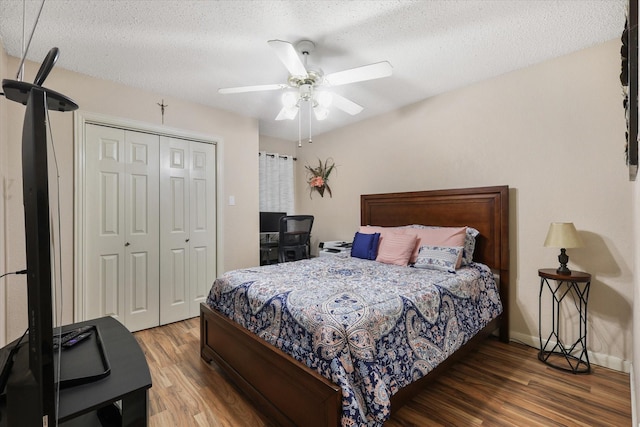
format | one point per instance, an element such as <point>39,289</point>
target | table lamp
<point>562,235</point>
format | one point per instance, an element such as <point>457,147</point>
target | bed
<point>286,390</point>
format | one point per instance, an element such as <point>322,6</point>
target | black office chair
<point>294,238</point>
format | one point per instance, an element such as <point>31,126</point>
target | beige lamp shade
<point>562,235</point>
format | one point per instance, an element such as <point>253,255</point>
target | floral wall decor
<point>318,177</point>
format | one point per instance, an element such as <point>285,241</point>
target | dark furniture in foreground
<point>129,379</point>
<point>555,352</point>
<point>287,391</point>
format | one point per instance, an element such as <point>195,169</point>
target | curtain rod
<point>273,155</point>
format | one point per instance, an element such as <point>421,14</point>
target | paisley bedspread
<point>369,327</point>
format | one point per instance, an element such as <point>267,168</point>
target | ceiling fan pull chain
<point>310,112</point>
<point>299,130</point>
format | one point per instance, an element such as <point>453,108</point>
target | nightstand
<point>334,248</point>
<point>572,357</point>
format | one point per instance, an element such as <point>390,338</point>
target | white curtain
<point>276,182</point>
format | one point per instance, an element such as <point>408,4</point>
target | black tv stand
<point>128,381</point>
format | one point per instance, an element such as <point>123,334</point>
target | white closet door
<point>174,229</point>
<point>104,222</point>
<point>122,227</point>
<point>187,226</point>
<point>142,282</point>
<point>202,224</point>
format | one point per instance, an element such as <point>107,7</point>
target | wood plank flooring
<point>496,385</point>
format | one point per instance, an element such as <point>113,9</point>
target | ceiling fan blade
<point>346,105</point>
<point>289,57</point>
<point>359,74</point>
<point>287,113</point>
<point>258,88</point>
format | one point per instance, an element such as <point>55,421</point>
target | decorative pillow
<point>396,248</point>
<point>365,246</point>
<point>469,242</point>
<point>384,231</point>
<point>437,236</point>
<point>441,258</point>
<point>469,246</point>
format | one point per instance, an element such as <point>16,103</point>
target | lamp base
<point>563,258</point>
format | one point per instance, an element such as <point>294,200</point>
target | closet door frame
<point>81,118</point>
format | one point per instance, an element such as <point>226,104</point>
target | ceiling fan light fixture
<point>321,112</point>
<point>306,92</point>
<point>289,99</point>
<point>324,99</point>
<point>287,113</point>
<point>306,83</point>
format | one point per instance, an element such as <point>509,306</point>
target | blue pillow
<point>365,246</point>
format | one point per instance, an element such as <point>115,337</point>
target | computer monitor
<point>270,221</point>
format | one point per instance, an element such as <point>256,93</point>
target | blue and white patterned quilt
<point>371,328</point>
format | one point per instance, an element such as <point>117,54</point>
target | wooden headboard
<point>483,208</point>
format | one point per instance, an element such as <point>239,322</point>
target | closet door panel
<point>179,285</point>
<point>174,229</point>
<point>104,222</point>
<point>108,284</point>
<point>203,223</point>
<point>200,275</point>
<point>142,153</point>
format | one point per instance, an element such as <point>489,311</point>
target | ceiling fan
<point>307,83</point>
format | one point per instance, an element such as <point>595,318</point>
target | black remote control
<point>75,340</point>
<point>70,335</point>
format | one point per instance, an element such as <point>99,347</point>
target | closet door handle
<point>127,244</point>
<point>186,241</point>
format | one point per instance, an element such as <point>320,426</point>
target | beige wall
<point>236,157</point>
<point>277,145</point>
<point>3,183</point>
<point>554,133</point>
<point>635,373</point>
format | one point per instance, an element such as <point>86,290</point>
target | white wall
<point>554,133</point>
<point>237,158</point>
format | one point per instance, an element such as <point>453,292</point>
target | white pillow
<point>443,258</point>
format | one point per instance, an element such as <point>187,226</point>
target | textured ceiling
<point>190,49</point>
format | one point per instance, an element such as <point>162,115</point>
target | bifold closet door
<point>122,226</point>
<point>187,226</point>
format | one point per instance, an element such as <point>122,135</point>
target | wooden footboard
<point>283,389</point>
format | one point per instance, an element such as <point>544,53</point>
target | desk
<point>555,352</point>
<point>268,253</point>
<point>268,249</point>
<point>129,380</point>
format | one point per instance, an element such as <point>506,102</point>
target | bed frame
<point>286,391</point>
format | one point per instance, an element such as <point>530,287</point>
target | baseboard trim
<point>600,359</point>
<point>634,418</point>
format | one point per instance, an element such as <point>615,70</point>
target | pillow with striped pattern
<point>443,258</point>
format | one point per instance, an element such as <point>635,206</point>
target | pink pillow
<point>396,248</point>
<point>384,231</point>
<point>441,236</point>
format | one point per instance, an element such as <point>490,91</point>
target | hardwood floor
<point>496,385</point>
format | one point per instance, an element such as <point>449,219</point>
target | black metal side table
<point>555,353</point>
